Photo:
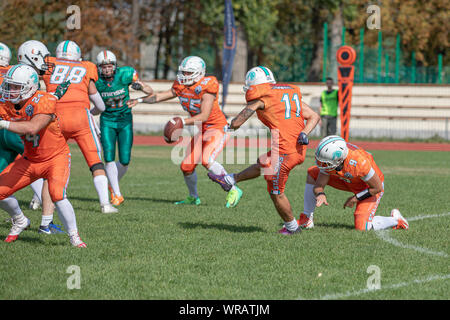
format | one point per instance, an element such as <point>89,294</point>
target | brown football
<point>172,130</point>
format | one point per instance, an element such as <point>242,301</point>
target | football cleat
<point>16,229</point>
<point>286,232</point>
<point>221,180</point>
<point>117,200</point>
<point>35,204</point>
<point>76,241</point>
<point>190,200</point>
<point>233,197</point>
<point>305,222</point>
<point>51,229</point>
<point>109,208</point>
<point>402,223</point>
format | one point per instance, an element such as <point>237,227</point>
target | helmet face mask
<point>331,153</point>
<point>19,84</point>
<point>35,54</point>
<point>106,64</point>
<point>258,75</point>
<point>191,70</point>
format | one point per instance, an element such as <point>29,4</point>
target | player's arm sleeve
<point>93,72</point>
<point>212,87</point>
<point>365,170</point>
<point>99,104</point>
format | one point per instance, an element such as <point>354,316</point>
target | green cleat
<point>233,197</point>
<point>190,200</point>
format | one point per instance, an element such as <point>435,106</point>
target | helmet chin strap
<point>339,167</point>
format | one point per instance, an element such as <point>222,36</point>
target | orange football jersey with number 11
<point>80,73</point>
<point>282,113</point>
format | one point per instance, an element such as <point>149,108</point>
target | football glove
<point>303,139</point>
<point>61,89</point>
<point>136,86</point>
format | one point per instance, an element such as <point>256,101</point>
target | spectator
<point>329,100</point>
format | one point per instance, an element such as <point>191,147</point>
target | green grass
<point>153,249</point>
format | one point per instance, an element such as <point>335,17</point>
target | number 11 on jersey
<point>287,103</point>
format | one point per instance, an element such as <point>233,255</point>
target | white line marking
<point>429,216</point>
<point>388,287</point>
<point>385,236</point>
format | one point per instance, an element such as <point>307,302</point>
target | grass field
<point>153,249</point>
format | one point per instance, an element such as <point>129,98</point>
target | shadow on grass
<point>82,198</point>
<point>221,226</point>
<point>334,225</point>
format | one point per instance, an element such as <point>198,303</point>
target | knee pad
<point>97,166</point>
<point>187,167</point>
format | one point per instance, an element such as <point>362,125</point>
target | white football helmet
<point>34,53</point>
<point>194,65</point>
<point>331,152</point>
<point>68,50</point>
<point>106,57</point>
<point>5,55</point>
<point>258,75</point>
<point>20,83</point>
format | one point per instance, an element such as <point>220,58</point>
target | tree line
<point>180,27</point>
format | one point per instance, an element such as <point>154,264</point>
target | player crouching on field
<point>346,167</point>
<point>32,114</point>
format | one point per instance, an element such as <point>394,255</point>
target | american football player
<point>199,96</point>
<point>32,114</point>
<point>280,107</point>
<point>345,166</point>
<point>116,122</point>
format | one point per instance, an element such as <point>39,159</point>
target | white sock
<point>121,169</point>
<point>292,225</point>
<point>380,222</point>
<point>309,200</point>
<point>45,220</point>
<point>67,215</point>
<point>101,185</point>
<point>37,188</point>
<point>113,176</point>
<point>191,182</point>
<point>218,169</point>
<point>11,205</point>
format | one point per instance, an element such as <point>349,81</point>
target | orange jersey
<point>359,166</point>
<point>80,73</point>
<point>3,71</point>
<point>191,96</point>
<point>48,142</point>
<point>282,113</point>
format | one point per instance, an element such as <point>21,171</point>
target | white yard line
<point>385,236</point>
<point>356,293</point>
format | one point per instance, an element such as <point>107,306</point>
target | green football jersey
<point>115,94</point>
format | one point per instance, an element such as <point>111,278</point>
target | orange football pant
<point>23,172</point>
<point>204,148</point>
<point>276,168</point>
<point>76,123</point>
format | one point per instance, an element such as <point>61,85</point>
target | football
<point>172,130</point>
